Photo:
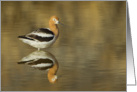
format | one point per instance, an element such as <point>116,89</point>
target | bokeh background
<point>90,50</point>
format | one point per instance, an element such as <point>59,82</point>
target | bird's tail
<point>24,37</point>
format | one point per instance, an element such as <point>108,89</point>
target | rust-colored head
<point>54,19</point>
<point>52,78</point>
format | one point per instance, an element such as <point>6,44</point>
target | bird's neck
<point>54,28</point>
<point>53,70</point>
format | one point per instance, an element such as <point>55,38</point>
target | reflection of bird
<point>43,37</point>
<point>43,61</point>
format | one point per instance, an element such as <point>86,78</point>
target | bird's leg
<point>38,49</point>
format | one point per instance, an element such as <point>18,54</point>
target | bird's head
<point>54,19</point>
<point>52,78</point>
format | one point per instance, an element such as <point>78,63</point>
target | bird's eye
<point>54,19</point>
<point>53,79</point>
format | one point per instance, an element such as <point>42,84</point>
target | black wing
<point>44,30</point>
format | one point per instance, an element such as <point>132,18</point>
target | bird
<point>44,61</point>
<point>43,37</point>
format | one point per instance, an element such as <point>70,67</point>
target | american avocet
<point>43,61</point>
<point>43,37</point>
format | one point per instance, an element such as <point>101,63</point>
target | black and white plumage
<point>43,37</point>
<point>42,61</point>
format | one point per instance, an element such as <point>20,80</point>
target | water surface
<point>90,50</point>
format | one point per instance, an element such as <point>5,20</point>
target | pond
<point>89,54</point>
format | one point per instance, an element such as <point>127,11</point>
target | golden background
<point>91,48</point>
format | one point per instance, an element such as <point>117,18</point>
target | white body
<point>38,44</point>
<point>43,37</point>
<point>39,55</point>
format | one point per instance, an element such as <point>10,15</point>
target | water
<point>90,51</point>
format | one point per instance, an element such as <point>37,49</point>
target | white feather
<point>42,65</point>
<point>38,44</point>
<point>43,34</point>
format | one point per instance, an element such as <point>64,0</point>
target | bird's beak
<point>57,22</point>
<point>60,23</point>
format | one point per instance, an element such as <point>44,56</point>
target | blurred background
<point>90,50</point>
